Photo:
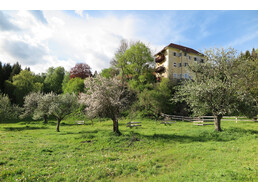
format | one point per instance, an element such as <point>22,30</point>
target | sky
<point>41,39</point>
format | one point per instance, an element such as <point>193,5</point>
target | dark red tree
<point>80,70</point>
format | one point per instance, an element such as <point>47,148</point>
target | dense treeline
<point>131,76</point>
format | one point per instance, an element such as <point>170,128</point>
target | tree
<point>248,79</point>
<point>105,98</point>
<point>25,83</point>
<point>9,89</point>
<point>43,105</point>
<point>81,70</point>
<point>118,61</point>
<point>1,78</point>
<point>156,101</point>
<point>65,80</point>
<point>54,79</point>
<point>254,54</point>
<point>215,86</point>
<point>61,106</point>
<point>75,85</point>
<point>109,72</point>
<point>7,111</point>
<point>16,69</point>
<point>31,105</point>
<point>137,66</point>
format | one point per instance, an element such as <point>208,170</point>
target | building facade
<point>172,61</point>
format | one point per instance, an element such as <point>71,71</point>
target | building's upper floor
<point>172,60</point>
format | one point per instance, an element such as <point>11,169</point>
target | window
<point>189,57</point>
<point>195,59</point>
<point>202,61</point>
<point>180,54</point>
<point>180,76</point>
<point>175,64</point>
<point>174,53</point>
<point>175,76</point>
<point>185,64</point>
<point>185,76</point>
<point>185,54</point>
<point>179,65</point>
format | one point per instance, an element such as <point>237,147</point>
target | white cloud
<point>79,12</point>
<point>59,38</point>
<point>64,40</point>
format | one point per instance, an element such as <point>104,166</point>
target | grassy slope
<point>180,152</point>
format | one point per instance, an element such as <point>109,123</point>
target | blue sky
<point>40,39</point>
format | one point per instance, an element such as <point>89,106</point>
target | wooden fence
<point>202,119</point>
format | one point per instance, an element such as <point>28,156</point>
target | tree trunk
<point>115,126</point>
<point>217,122</point>
<point>45,119</point>
<point>57,126</point>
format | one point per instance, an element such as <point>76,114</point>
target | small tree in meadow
<point>43,105</point>
<point>105,98</point>
<point>61,106</point>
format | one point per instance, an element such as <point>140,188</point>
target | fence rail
<point>205,118</point>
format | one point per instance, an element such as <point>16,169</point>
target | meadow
<point>35,152</point>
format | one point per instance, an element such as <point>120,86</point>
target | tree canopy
<point>106,98</point>
<point>54,79</point>
<point>81,70</point>
<point>136,64</point>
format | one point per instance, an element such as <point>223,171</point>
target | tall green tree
<point>136,64</point>
<point>75,85</point>
<point>54,79</point>
<point>215,87</point>
<point>16,69</point>
<point>25,83</point>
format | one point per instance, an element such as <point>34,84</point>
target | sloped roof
<point>183,48</point>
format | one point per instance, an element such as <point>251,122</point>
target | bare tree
<point>105,98</point>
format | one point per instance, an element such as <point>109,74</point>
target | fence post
<point>236,119</point>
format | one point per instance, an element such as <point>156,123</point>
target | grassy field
<point>180,152</point>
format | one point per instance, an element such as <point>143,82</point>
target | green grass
<point>180,152</point>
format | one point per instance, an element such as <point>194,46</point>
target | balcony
<point>160,58</point>
<point>160,69</point>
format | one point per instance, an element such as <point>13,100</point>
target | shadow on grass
<point>224,136</point>
<point>23,128</point>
